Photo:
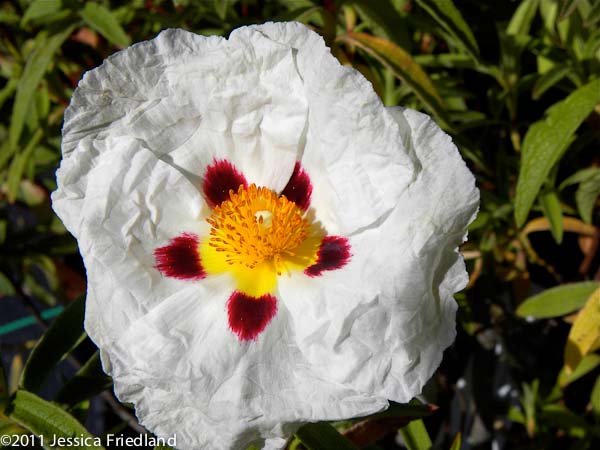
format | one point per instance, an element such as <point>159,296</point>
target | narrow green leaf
<point>456,443</point>
<point>553,212</point>
<point>322,436</point>
<point>520,22</point>
<point>448,16</point>
<point>36,66</point>
<point>19,162</point>
<point>567,8</point>
<point>563,417</point>
<point>593,15</point>
<point>104,22</point>
<point>400,410</point>
<point>90,380</point>
<point>586,196</point>
<point>549,79</point>
<point>402,65</point>
<point>6,286</point>
<point>65,333</point>
<point>580,176</point>
<point>383,15</point>
<point>415,436</point>
<point>558,301</point>
<point>40,8</point>
<point>595,398</point>
<point>221,8</point>
<point>3,382</point>
<point>46,420</point>
<point>547,140</point>
<point>587,364</point>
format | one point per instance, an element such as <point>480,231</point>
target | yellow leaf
<point>584,333</point>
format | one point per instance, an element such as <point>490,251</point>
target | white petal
<point>188,374</point>
<point>353,152</point>
<point>381,323</point>
<point>190,99</point>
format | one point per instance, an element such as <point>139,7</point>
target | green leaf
<point>520,22</point>
<point>415,436</point>
<point>3,382</point>
<point>36,66</point>
<point>65,333</point>
<point>383,15</point>
<point>41,8</point>
<point>558,301</point>
<point>586,196</point>
<point>549,79</point>
<point>402,65</point>
<point>221,8</point>
<point>580,176</point>
<point>593,15</point>
<point>400,410</point>
<point>18,164</point>
<point>553,212</point>
<point>595,399</point>
<point>104,22</point>
<point>586,365</point>
<point>45,419</point>
<point>6,286</point>
<point>322,436</point>
<point>547,140</point>
<point>89,380</point>
<point>448,16</point>
<point>456,443</point>
<point>563,417</point>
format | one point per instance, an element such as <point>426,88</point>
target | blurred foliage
<point>516,85</point>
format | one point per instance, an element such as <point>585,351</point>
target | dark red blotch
<point>299,188</point>
<point>220,177</point>
<point>181,258</point>
<point>333,254</point>
<point>248,316</point>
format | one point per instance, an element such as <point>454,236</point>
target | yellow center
<point>256,236</point>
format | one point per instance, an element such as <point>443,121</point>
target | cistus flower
<point>265,243</point>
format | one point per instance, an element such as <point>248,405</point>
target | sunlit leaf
<point>18,164</point>
<point>383,15</point>
<point>401,64</point>
<point>40,8</point>
<point>104,22</point>
<point>552,210</point>
<point>580,176</point>
<point>322,436</point>
<point>415,436</point>
<point>449,17</point>
<point>520,22</point>
<point>456,443</point>
<point>16,369</point>
<point>585,332</point>
<point>558,301</point>
<point>547,140</point>
<point>36,66</point>
<point>65,333</point>
<point>45,419</point>
<point>586,365</point>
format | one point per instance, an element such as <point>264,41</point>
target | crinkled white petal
<point>353,148</point>
<point>138,136</point>
<point>381,323</point>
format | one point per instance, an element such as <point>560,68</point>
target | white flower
<point>228,313</point>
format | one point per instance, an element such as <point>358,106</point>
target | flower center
<point>256,226</point>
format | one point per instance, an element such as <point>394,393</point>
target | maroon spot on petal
<point>334,253</point>
<point>181,258</point>
<point>299,189</point>
<point>248,316</point>
<point>220,177</point>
